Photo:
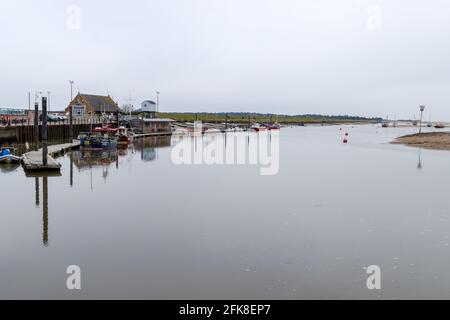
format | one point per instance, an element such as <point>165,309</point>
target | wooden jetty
<point>152,134</point>
<point>32,161</point>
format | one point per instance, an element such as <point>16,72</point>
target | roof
<point>99,103</point>
<point>149,101</point>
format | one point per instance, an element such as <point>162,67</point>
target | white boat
<point>7,155</point>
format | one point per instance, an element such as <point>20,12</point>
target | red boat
<point>257,127</point>
<point>123,137</point>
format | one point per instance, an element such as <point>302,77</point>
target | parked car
<point>50,118</point>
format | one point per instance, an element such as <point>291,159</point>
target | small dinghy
<point>7,155</point>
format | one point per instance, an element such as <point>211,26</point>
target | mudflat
<point>429,140</point>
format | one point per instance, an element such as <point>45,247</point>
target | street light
<point>36,96</point>
<point>157,101</point>
<point>422,109</point>
<point>71,91</point>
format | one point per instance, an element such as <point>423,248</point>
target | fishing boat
<point>101,138</point>
<point>7,155</point>
<point>385,123</point>
<point>124,138</point>
<point>440,126</point>
<point>258,127</point>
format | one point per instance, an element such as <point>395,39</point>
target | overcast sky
<point>360,57</point>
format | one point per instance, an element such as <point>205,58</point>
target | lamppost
<point>157,101</point>
<point>71,91</point>
<point>71,111</point>
<point>36,96</point>
<point>422,109</point>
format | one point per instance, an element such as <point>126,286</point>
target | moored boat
<point>101,138</point>
<point>274,126</point>
<point>124,138</point>
<point>258,127</point>
<point>440,126</point>
<point>7,155</point>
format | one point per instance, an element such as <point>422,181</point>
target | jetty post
<point>36,124</point>
<point>29,108</point>
<point>71,123</point>
<point>44,131</point>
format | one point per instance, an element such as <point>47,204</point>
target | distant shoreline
<point>247,118</point>
<point>429,140</point>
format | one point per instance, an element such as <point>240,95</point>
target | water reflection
<point>419,164</point>
<point>149,147</point>
<point>36,191</point>
<point>6,168</point>
<point>71,169</point>
<point>87,160</point>
<point>37,202</point>
<point>45,211</point>
<point>342,228</point>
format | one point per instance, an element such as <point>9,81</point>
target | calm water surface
<point>141,227</point>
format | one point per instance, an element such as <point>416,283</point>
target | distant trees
<point>266,117</point>
<point>127,108</point>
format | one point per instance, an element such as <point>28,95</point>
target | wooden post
<point>36,125</point>
<point>70,123</point>
<point>44,131</point>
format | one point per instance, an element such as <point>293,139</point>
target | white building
<point>148,106</point>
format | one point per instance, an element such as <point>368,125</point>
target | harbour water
<point>141,227</point>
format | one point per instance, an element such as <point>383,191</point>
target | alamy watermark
<point>73,20</point>
<point>374,20</point>
<point>73,281</point>
<point>229,148</point>
<point>374,280</point>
